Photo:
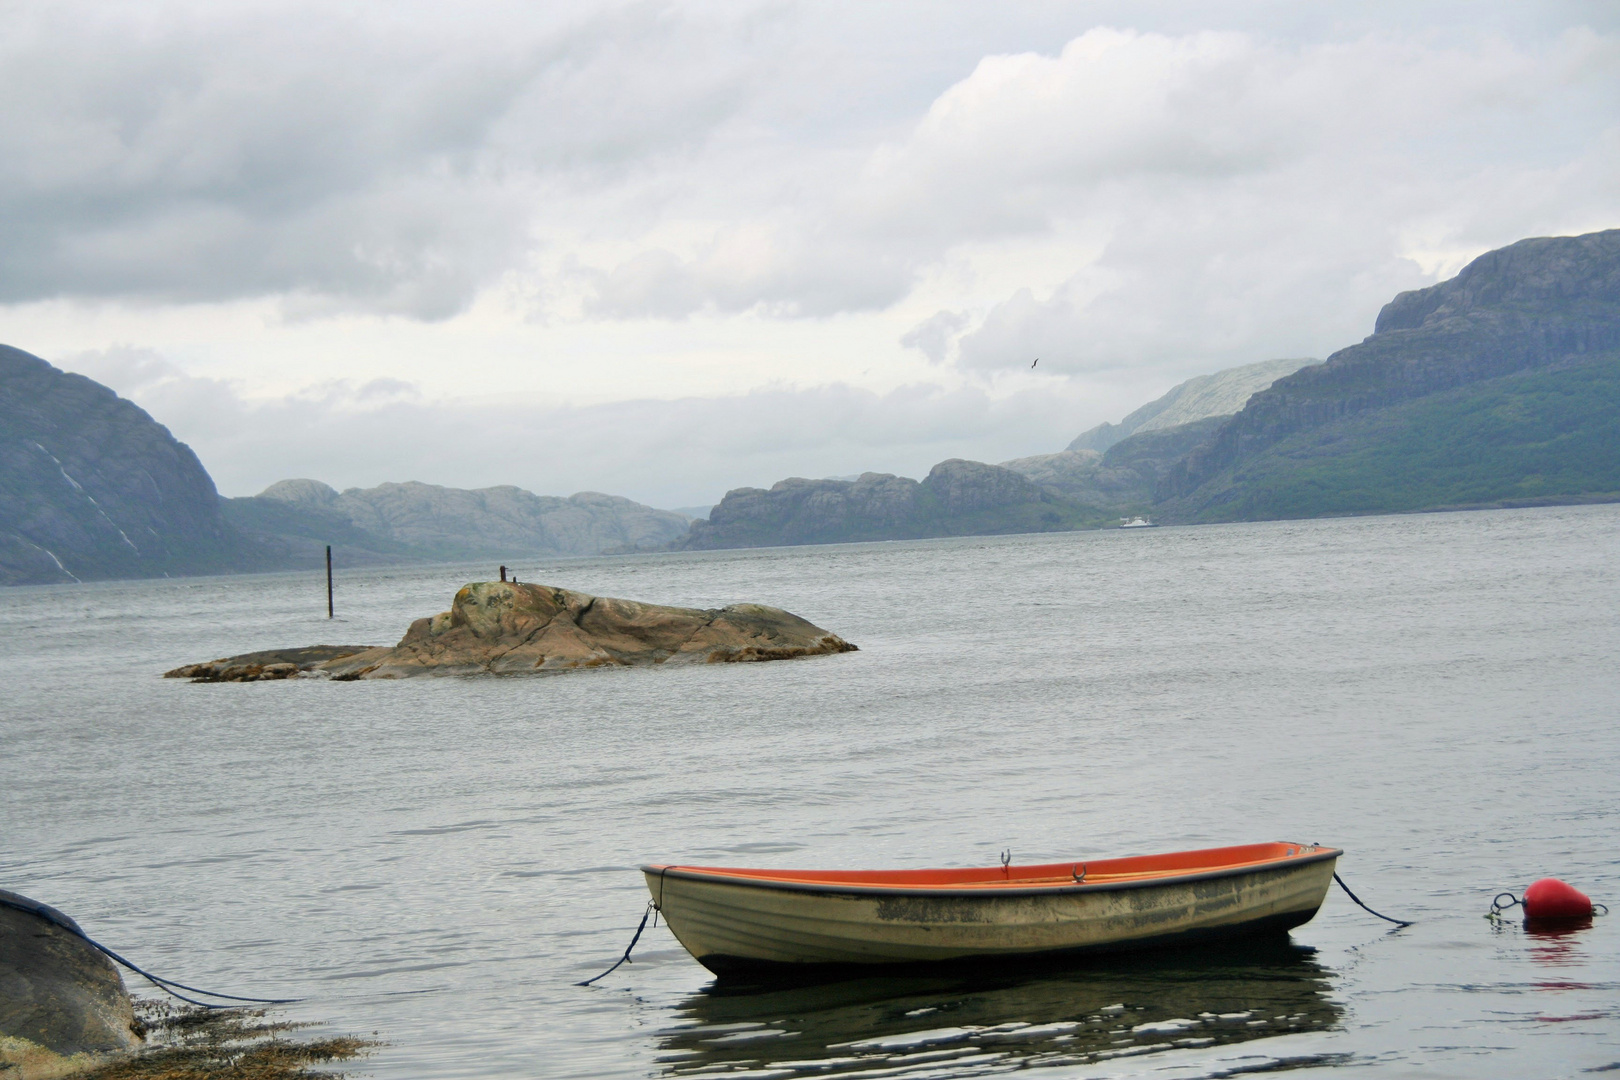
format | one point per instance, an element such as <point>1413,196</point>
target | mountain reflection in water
<point>918,1023</point>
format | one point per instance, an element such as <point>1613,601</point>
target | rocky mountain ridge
<point>1536,304</point>
<point>1118,467</point>
<point>1124,478</point>
<point>1221,393</point>
<point>1498,387</point>
<point>91,487</point>
<point>957,498</point>
<point>1541,436</point>
<point>427,521</point>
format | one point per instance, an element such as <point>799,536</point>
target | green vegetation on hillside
<point>1544,436</point>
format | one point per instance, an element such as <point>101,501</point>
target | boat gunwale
<point>987,890</point>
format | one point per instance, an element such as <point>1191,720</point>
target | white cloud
<point>1253,196</point>
<point>1256,194</point>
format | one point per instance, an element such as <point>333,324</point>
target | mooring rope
<point>51,916</point>
<point>1398,922</point>
<point>652,909</point>
<point>654,906</point>
<point>1497,907</point>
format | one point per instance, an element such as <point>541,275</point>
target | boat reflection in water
<point>954,1023</point>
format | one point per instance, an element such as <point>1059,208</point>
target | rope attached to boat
<point>653,908</point>
<point>50,915</point>
<point>1398,922</point>
<point>651,912</point>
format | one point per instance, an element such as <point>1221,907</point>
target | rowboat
<point>777,922</point>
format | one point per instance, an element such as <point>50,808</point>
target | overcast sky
<point>667,249</point>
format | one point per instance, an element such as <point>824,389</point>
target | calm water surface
<point>440,860</point>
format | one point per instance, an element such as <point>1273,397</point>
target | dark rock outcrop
<point>963,488</point>
<point>1532,305</point>
<point>63,1006</point>
<point>958,498</point>
<point>510,629</point>
<point>91,487</point>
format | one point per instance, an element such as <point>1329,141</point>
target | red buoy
<point>1550,898</point>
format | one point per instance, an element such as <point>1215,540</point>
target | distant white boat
<point>1137,523</point>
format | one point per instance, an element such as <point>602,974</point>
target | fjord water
<point>440,860</point>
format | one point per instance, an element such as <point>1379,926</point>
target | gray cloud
<point>385,163</point>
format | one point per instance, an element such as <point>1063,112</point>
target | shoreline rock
<point>63,1005</point>
<point>266,665</point>
<point>498,627</point>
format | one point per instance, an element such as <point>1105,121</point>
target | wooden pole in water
<point>328,581</point>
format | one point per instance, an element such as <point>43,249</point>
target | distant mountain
<point>91,487</point>
<point>1220,394</point>
<point>1125,477</point>
<point>298,532</point>
<point>424,521</point>
<point>958,498</point>
<point>1500,386</point>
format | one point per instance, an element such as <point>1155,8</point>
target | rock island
<point>506,628</point>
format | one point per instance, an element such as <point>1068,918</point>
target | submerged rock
<point>506,628</point>
<point>63,1006</point>
<point>266,665</point>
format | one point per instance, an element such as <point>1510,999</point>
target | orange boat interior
<point>1084,872</point>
